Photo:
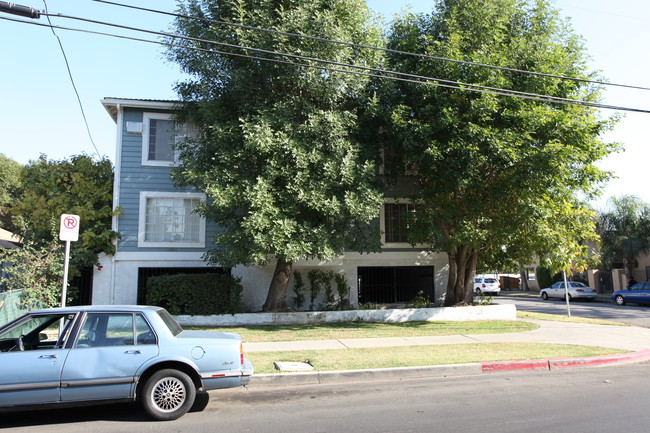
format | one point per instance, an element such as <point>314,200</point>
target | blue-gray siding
<point>135,177</point>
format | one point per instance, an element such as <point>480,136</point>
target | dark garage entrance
<point>392,284</point>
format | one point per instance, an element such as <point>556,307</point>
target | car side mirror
<point>42,336</point>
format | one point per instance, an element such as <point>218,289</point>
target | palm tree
<point>624,228</point>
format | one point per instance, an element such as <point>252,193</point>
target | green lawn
<point>334,331</point>
<point>413,356</point>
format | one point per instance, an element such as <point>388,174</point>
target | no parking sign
<point>69,229</point>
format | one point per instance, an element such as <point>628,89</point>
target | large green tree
<point>10,190</point>
<point>624,229</point>
<point>496,178</point>
<point>278,152</point>
<point>79,185</point>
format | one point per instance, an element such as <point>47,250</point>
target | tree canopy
<point>279,152</point>
<point>498,178</point>
<point>10,189</point>
<point>79,185</point>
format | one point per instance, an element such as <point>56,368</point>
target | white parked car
<point>486,285</point>
<point>577,290</point>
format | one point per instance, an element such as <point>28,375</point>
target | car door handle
<point>49,356</point>
<point>133,352</point>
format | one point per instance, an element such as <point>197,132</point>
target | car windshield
<point>171,323</point>
<point>489,280</point>
<point>577,284</point>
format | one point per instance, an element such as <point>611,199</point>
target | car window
<point>37,332</point>
<point>143,332</point>
<point>577,284</point>
<point>490,280</point>
<point>171,323</point>
<point>106,329</point>
<point>477,280</point>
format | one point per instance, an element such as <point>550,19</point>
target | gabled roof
<point>113,105</point>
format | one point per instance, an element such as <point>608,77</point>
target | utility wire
<point>542,98</point>
<point>74,86</point>
<point>311,59</point>
<point>354,45</point>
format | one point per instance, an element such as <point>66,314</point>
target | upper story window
<point>159,133</point>
<point>396,222</point>
<point>167,219</point>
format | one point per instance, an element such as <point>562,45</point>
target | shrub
<point>343,289</point>
<point>299,289</point>
<point>421,301</point>
<point>544,278</point>
<point>196,294</point>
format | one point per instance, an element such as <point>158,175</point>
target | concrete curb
<point>315,378</point>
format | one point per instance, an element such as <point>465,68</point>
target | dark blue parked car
<point>111,353</point>
<point>639,293</point>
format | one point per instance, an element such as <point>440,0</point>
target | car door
<point>106,356</point>
<point>640,293</point>
<point>557,290</point>
<point>30,372</point>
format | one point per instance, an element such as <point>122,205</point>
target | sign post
<point>68,232</point>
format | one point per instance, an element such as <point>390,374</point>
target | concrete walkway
<point>631,338</point>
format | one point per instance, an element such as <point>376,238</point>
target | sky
<point>40,114</point>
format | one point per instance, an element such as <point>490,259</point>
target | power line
<point>74,86</point>
<point>355,45</point>
<point>502,92</point>
<point>314,59</point>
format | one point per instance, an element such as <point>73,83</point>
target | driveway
<point>598,309</point>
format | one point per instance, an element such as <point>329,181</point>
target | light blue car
<point>115,353</point>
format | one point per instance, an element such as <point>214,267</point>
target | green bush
<point>299,289</point>
<point>196,294</point>
<point>544,278</point>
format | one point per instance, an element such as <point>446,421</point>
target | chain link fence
<point>10,306</point>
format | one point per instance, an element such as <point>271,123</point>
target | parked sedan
<point>577,290</point>
<point>639,293</point>
<point>109,353</point>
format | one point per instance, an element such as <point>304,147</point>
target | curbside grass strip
<point>315,378</point>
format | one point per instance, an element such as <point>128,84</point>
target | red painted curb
<point>560,363</point>
<point>594,361</point>
<point>530,364</point>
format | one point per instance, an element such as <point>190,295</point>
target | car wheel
<point>620,300</point>
<point>545,296</point>
<point>478,291</point>
<point>168,395</point>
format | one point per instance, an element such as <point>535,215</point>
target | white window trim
<point>146,117</point>
<point>142,243</point>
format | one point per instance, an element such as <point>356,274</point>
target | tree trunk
<point>523,277</point>
<point>276,299</point>
<point>462,268</point>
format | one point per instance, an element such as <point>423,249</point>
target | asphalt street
<point>598,309</point>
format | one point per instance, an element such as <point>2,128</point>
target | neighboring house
<point>161,235</point>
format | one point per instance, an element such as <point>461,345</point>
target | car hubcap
<point>169,394</point>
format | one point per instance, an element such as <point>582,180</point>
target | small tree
<point>299,289</point>
<point>624,230</point>
<point>37,270</point>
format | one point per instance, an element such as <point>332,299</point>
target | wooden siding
<point>134,177</point>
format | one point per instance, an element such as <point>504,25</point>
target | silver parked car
<point>576,289</point>
<point>115,353</point>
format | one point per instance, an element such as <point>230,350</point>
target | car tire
<point>478,291</point>
<point>545,296</point>
<point>620,300</point>
<point>168,394</point>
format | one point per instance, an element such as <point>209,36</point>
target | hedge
<point>196,294</point>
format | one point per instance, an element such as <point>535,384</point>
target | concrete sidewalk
<point>632,338</point>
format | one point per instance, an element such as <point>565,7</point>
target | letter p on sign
<point>69,230</point>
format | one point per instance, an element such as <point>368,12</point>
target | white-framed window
<point>167,220</point>
<point>159,133</point>
<point>394,223</point>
